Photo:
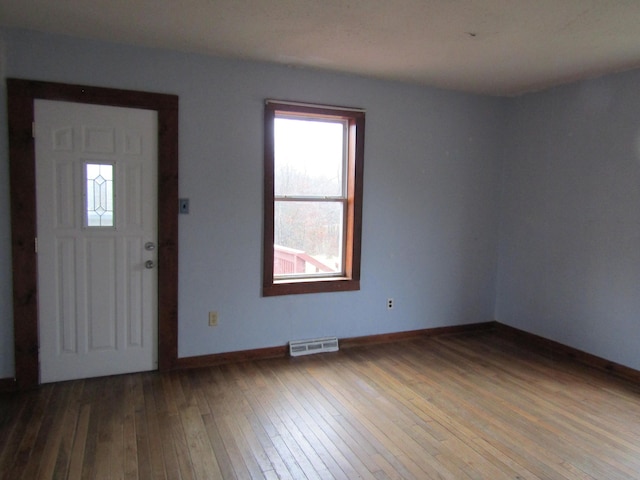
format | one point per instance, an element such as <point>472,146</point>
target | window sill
<point>321,285</point>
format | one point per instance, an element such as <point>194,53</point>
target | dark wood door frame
<point>21,95</point>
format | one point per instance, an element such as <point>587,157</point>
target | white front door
<point>96,184</point>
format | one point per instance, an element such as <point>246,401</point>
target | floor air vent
<point>316,345</point>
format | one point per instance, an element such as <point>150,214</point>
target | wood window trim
<point>21,95</point>
<point>353,233</point>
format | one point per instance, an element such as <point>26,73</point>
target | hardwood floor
<point>452,407</point>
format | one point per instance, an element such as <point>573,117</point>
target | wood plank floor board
<point>221,398</point>
<point>28,426</point>
<point>115,423</point>
<point>602,403</point>
<point>388,440</point>
<point>401,430</point>
<point>203,460</point>
<point>341,453</point>
<point>237,407</point>
<point>566,424</point>
<point>233,449</point>
<point>380,453</point>
<point>104,434</point>
<point>177,462</point>
<point>562,431</point>
<point>13,421</point>
<point>297,443</point>
<point>69,426</point>
<point>143,453</point>
<point>426,430</point>
<point>77,458</point>
<point>259,443</point>
<point>459,407</point>
<point>222,456</point>
<point>326,442</point>
<point>353,447</point>
<point>505,427</point>
<point>358,451</point>
<point>151,417</point>
<point>262,421</point>
<point>308,439</point>
<point>446,405</point>
<point>171,441</point>
<point>48,440</point>
<point>279,454</point>
<point>265,448</point>
<point>129,431</point>
<point>243,448</point>
<point>94,395</point>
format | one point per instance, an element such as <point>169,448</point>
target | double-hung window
<point>313,198</point>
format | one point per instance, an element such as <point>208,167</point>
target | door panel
<point>96,175</point>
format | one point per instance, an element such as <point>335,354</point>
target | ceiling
<point>496,47</point>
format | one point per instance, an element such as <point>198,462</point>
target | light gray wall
<point>432,172</point>
<point>569,265</point>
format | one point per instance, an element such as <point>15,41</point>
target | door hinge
<point>33,129</point>
<point>35,244</point>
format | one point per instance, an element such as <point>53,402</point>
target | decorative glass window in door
<point>99,195</point>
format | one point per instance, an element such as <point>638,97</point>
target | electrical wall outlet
<point>389,303</point>
<point>213,319</point>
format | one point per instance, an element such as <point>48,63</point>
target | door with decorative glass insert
<point>96,177</point>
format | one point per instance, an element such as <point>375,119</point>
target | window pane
<point>308,238</point>
<point>99,179</point>
<point>313,198</point>
<point>308,157</point>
